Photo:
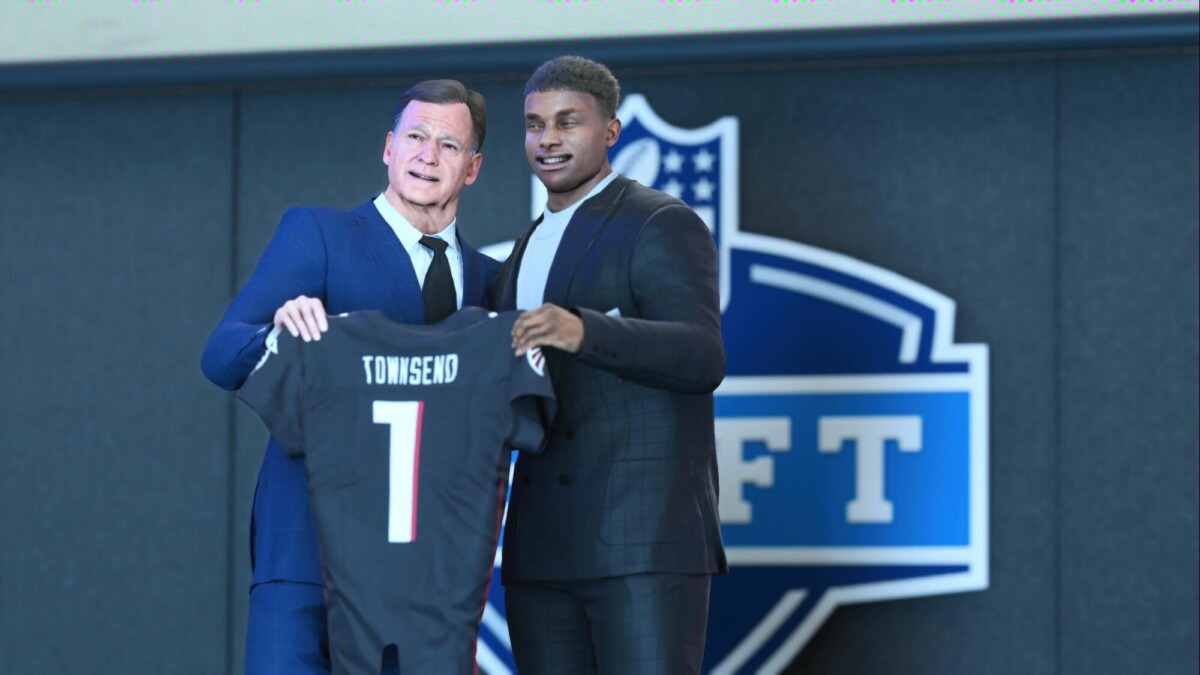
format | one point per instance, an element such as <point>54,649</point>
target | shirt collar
<point>409,235</point>
<point>570,210</point>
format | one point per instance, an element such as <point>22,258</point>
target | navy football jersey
<point>406,433</point>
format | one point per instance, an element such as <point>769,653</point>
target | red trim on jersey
<point>501,493</point>
<point>417,467</point>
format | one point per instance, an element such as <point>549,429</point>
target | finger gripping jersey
<point>405,432</point>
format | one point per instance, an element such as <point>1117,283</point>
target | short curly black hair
<point>575,73</point>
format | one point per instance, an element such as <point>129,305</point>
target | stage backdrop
<point>1053,196</point>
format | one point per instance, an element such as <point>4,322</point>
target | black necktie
<point>438,289</point>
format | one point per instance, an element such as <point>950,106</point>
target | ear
<point>473,168</point>
<point>387,148</point>
<point>613,132</point>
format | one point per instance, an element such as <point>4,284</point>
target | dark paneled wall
<point>1054,197</point>
<point>1127,377</point>
<point>114,501</point>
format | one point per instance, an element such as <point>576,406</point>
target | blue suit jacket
<point>351,260</point>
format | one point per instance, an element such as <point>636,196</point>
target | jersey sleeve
<point>274,390</point>
<point>533,402</point>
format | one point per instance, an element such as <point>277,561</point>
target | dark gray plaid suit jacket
<point>628,481</point>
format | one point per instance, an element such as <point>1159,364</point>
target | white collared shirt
<point>542,247</point>
<point>421,257</point>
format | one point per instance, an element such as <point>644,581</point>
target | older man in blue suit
<point>401,254</point>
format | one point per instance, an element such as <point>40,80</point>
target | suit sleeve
<point>275,390</point>
<point>675,341</point>
<point>294,264</point>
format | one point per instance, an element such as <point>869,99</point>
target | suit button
<point>570,434</point>
<point>563,479</point>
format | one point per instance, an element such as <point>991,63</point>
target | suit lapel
<point>394,264</point>
<point>472,266</point>
<point>506,301</point>
<point>577,240</point>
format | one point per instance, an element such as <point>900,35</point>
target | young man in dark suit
<point>401,254</point>
<point>612,533</point>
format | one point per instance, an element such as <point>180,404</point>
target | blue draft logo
<point>852,432</point>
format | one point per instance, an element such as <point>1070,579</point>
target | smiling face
<point>429,161</point>
<point>566,142</point>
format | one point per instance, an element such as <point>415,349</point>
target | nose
<point>428,152</point>
<point>549,137</point>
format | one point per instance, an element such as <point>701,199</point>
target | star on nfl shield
<point>852,432</point>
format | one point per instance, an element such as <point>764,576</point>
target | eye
<point>532,126</point>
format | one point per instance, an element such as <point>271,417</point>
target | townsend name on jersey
<point>410,370</point>
<point>851,429</point>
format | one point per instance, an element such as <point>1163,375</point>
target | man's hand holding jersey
<point>303,317</point>
<point>547,326</point>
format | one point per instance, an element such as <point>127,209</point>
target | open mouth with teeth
<point>421,176</point>
<point>552,161</point>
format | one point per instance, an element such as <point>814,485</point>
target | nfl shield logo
<point>852,432</point>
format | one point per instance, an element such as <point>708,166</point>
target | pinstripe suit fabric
<point>628,482</point>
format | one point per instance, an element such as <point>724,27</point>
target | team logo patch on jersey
<point>852,432</point>
<point>272,347</point>
<point>536,361</point>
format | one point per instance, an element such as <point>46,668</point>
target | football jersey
<point>406,434</point>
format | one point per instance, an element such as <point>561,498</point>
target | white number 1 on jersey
<point>404,418</point>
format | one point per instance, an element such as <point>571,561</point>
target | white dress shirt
<point>421,257</point>
<point>543,245</point>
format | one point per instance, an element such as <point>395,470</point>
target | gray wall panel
<point>1129,365</point>
<point>113,492</point>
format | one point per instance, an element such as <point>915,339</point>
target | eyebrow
<point>560,113</point>
<point>424,128</point>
